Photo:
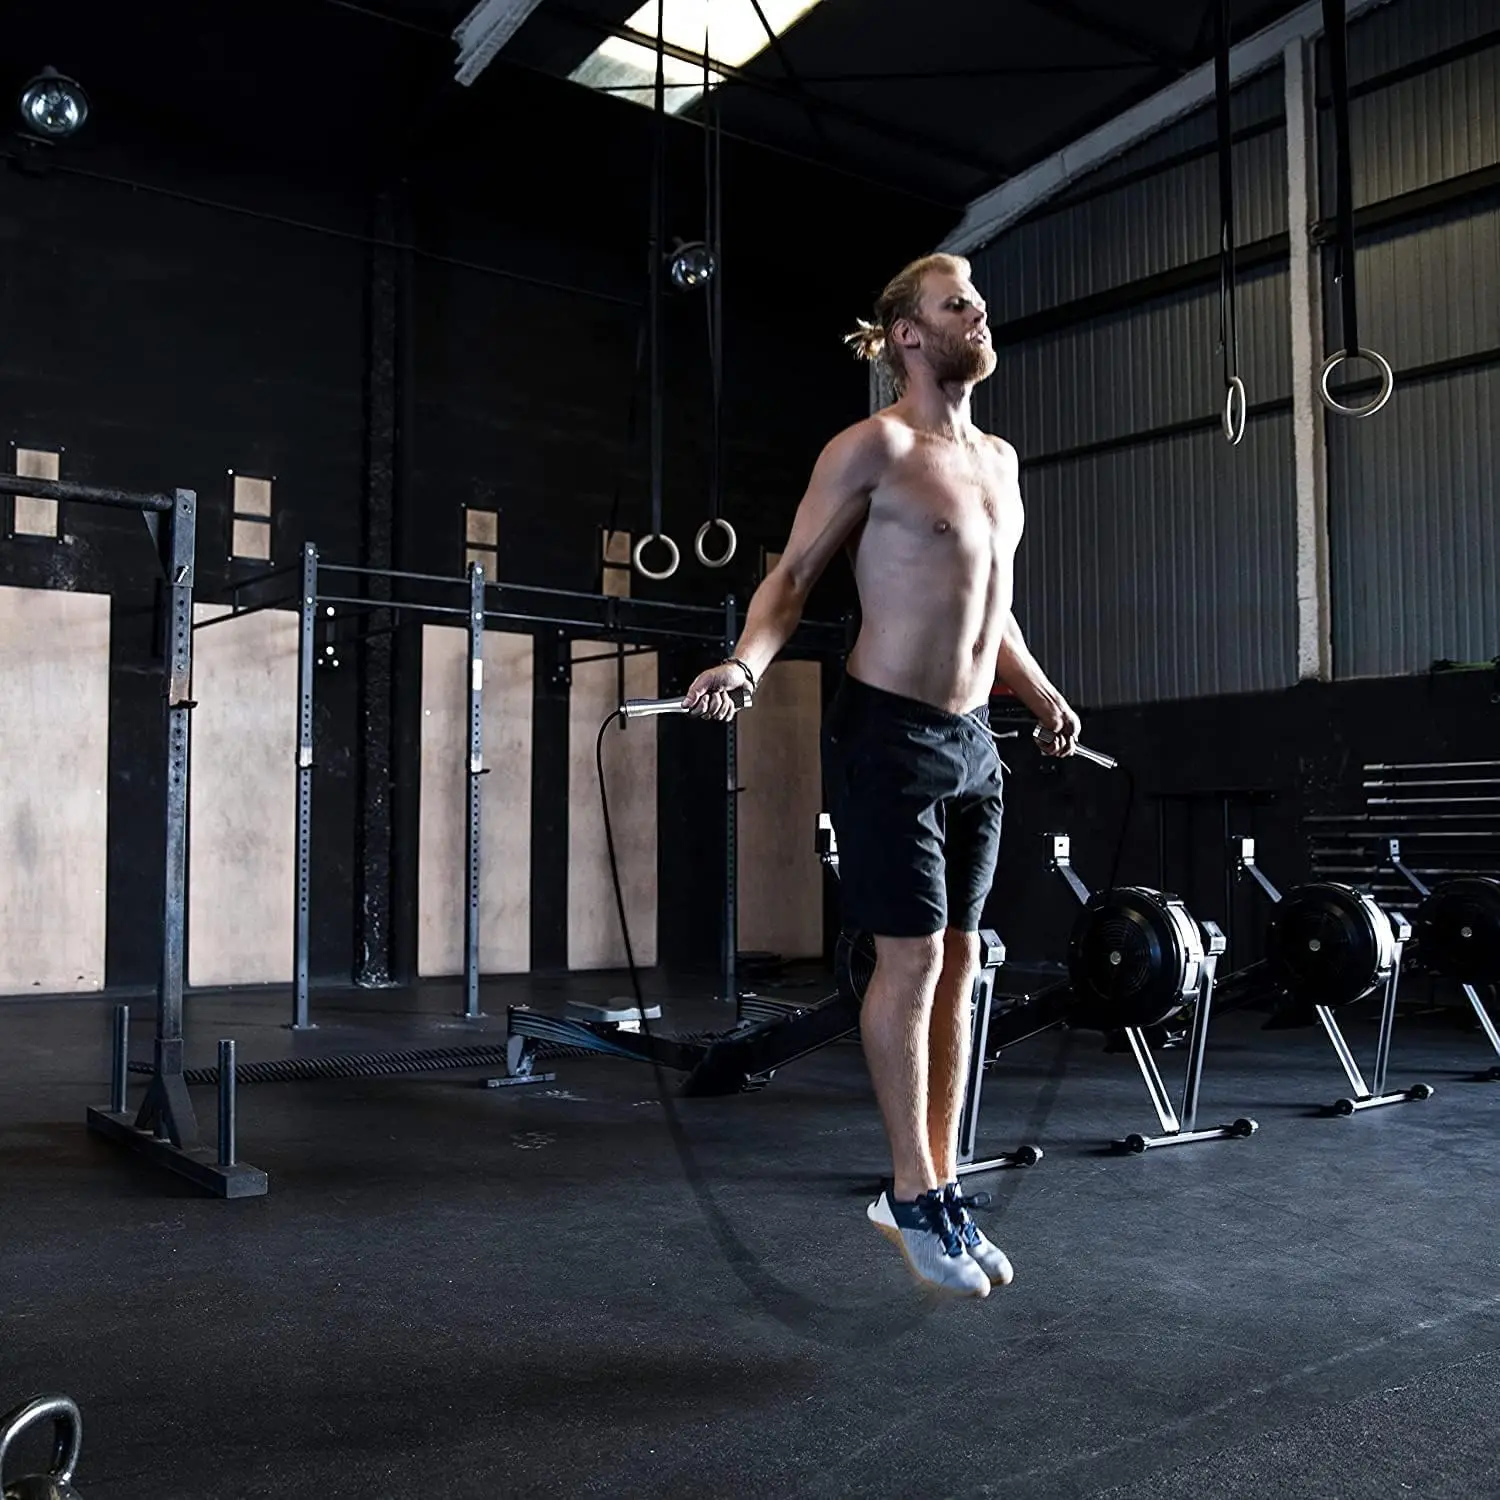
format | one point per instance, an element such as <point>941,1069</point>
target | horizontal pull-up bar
<point>615,600</point>
<point>87,494</point>
<point>396,605</point>
<point>325,567</point>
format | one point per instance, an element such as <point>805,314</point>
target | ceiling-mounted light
<point>54,107</point>
<point>692,265</point>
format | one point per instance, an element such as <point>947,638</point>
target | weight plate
<point>1134,958</point>
<point>1458,930</point>
<point>1330,944</point>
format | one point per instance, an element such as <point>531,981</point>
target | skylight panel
<point>735,35</point>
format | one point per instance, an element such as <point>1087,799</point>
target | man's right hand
<point>709,696</point>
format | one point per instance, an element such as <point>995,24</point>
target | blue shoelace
<point>958,1207</point>
<point>935,1212</point>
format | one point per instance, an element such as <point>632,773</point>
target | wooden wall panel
<point>54,774</point>
<point>242,799</point>
<point>594,938</point>
<point>780,879</point>
<point>505,816</point>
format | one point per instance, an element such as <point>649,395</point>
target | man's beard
<point>959,360</point>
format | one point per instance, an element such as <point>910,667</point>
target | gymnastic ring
<point>666,542</point>
<point>1235,401</point>
<point>733,545</point>
<point>1387,382</point>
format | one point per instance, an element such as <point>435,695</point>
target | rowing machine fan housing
<point>1458,929</point>
<point>1330,944</point>
<point>1135,958</point>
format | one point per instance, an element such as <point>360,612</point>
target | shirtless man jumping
<point>930,511</point>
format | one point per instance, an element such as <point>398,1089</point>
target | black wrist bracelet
<point>734,661</point>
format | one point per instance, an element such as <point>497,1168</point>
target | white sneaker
<point>926,1236</point>
<point>989,1257</point>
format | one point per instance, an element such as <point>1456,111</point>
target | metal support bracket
<point>1393,850</point>
<point>1185,1132</point>
<point>991,958</point>
<point>1061,861</point>
<point>1244,864</point>
<point>1375,1095</point>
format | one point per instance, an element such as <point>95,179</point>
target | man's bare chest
<point>968,500</point>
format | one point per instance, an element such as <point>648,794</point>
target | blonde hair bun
<point>867,340</point>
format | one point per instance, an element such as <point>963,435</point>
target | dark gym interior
<point>327,1164</point>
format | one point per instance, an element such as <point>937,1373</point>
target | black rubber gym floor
<point>544,1291</point>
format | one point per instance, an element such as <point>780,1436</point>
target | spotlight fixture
<point>692,266</point>
<point>53,107</point>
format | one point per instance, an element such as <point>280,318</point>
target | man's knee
<point>960,949</point>
<point>914,963</point>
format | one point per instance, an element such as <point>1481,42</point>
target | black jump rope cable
<point>868,1326</point>
<point>834,1326</point>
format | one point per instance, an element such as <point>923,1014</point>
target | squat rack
<point>165,1130</point>
<point>637,624</point>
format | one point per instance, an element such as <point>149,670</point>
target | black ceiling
<point>945,98</point>
<point>941,100</point>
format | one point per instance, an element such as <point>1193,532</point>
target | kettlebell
<point>67,1444</point>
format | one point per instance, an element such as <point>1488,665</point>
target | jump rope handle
<point>1046,737</point>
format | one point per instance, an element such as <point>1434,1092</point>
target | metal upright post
<point>730,937</point>
<point>167,1111</point>
<point>120,1073</point>
<point>228,1147</point>
<point>305,669</point>
<point>476,770</point>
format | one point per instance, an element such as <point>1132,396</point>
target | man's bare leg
<point>948,1049</point>
<point>894,1026</point>
<point>951,1038</point>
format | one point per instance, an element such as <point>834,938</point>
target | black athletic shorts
<point>916,801</point>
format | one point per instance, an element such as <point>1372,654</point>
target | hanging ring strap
<point>1236,405</point>
<point>1336,30</point>
<point>658,217</point>
<point>714,304</point>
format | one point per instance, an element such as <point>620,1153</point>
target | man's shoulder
<point>884,426</point>
<point>876,439</point>
<point>1002,448</point>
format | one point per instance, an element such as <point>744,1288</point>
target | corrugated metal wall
<point>1158,563</point>
<point>1412,494</point>
<point>1160,570</point>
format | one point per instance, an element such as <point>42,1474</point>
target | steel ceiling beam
<point>1003,206</point>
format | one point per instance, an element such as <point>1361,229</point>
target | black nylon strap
<point>1229,336</point>
<point>658,223</point>
<point>1336,30</point>
<point>714,300</point>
